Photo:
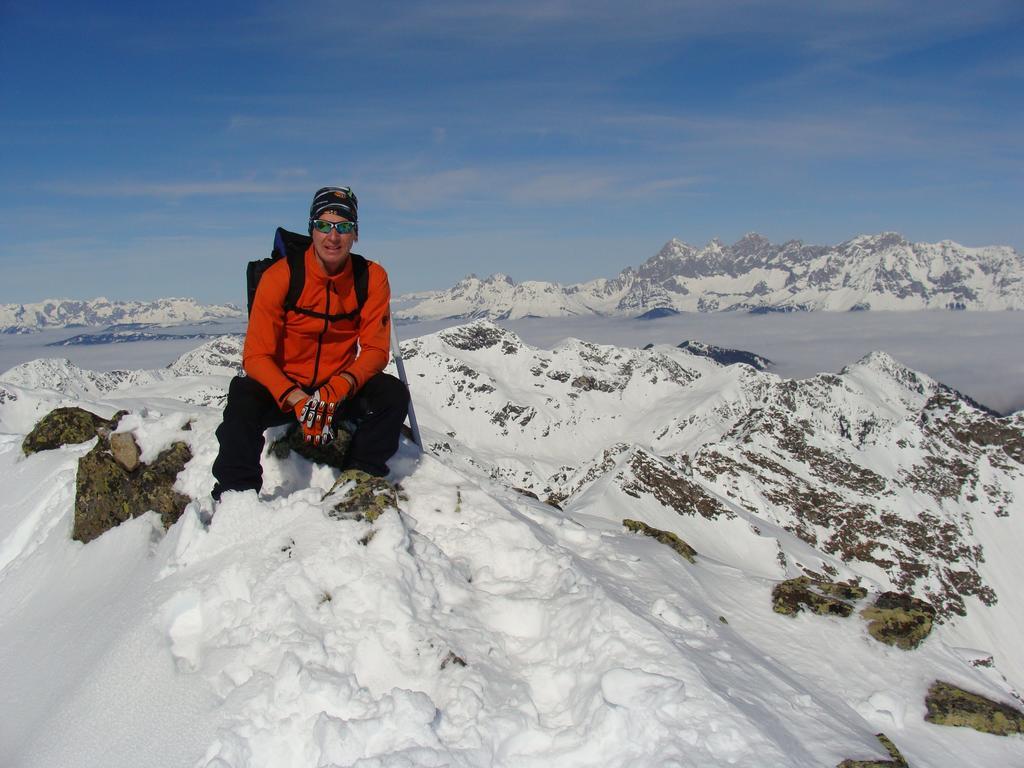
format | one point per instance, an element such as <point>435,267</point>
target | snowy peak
<point>880,271</point>
<point>219,357</point>
<point>61,375</point>
<point>62,313</point>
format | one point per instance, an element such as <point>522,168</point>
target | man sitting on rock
<point>320,361</point>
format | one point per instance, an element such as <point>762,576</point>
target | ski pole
<point>396,354</point>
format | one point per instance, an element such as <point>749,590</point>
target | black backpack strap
<point>361,278</point>
<point>253,272</point>
<point>293,247</point>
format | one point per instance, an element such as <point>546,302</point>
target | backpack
<point>293,246</point>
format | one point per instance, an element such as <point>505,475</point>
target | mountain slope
<point>483,627</point>
<point>887,474</point>
<point>882,271</point>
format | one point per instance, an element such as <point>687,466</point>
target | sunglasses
<point>341,227</point>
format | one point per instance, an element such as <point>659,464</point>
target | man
<point>319,362</point>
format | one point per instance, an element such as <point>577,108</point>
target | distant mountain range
<point>67,313</point>
<point>881,272</point>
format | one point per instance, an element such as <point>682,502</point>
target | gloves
<point>316,413</point>
<point>315,416</point>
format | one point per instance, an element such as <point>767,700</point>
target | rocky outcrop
<point>332,455</point>
<point>665,537</point>
<point>899,619</point>
<point>826,598</point>
<point>949,705</point>
<point>897,760</point>
<point>361,496</point>
<point>67,426</point>
<point>108,494</point>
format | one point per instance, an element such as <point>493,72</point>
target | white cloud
<point>175,190</point>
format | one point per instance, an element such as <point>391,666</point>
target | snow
<point>880,272</point>
<point>479,627</point>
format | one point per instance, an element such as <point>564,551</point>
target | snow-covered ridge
<point>62,313</point>
<point>40,380</point>
<point>881,272</point>
<point>485,627</point>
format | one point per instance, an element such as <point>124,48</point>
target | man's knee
<point>386,392</point>
<point>247,399</point>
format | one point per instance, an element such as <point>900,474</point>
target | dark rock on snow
<point>897,760</point>
<point>949,705</point>
<point>826,598</point>
<point>107,494</point>
<point>332,455</point>
<point>665,537</point>
<point>899,619</point>
<point>726,356</point>
<point>67,426</point>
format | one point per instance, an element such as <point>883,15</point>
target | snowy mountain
<point>63,313</point>
<point>507,617</point>
<point>45,378</point>
<point>883,272</point>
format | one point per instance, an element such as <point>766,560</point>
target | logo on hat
<point>341,194</point>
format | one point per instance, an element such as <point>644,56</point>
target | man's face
<point>332,249</point>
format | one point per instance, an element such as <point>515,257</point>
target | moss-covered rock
<point>361,496</point>
<point>899,619</point>
<point>897,760</point>
<point>827,598</point>
<point>107,494</point>
<point>665,537</point>
<point>332,455</point>
<point>67,426</point>
<point>949,705</point>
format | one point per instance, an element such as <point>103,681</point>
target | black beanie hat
<point>340,200</point>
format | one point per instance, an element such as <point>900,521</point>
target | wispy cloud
<point>563,187</point>
<point>429,190</point>
<point>176,190</point>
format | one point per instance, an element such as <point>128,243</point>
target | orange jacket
<point>285,350</point>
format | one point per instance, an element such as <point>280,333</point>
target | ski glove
<point>315,416</point>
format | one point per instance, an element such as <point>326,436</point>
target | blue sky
<point>150,150</point>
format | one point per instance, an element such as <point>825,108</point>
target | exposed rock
<point>125,450</point>
<point>897,760</point>
<point>333,454</point>
<point>476,336</point>
<point>589,383</point>
<point>824,494</point>
<point>367,496</point>
<point>827,598</point>
<point>107,494</point>
<point>67,426</point>
<point>899,619</point>
<point>726,356</point>
<point>665,537</point>
<point>669,486</point>
<point>949,705</point>
<point>453,660</point>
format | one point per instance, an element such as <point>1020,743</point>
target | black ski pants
<point>377,410</point>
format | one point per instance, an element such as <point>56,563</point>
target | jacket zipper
<point>320,339</point>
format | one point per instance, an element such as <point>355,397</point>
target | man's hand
<point>316,413</point>
<point>315,417</point>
